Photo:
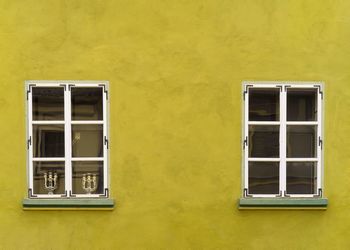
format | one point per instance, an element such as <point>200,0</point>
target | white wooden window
<point>67,139</point>
<point>282,139</point>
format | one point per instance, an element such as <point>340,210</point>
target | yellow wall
<point>175,70</point>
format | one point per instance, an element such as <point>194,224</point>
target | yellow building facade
<point>175,72</point>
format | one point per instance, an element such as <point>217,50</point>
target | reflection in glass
<point>84,169</point>
<point>48,103</point>
<point>264,141</point>
<point>264,104</point>
<point>48,140</point>
<point>301,141</point>
<point>87,104</point>
<point>302,105</point>
<point>42,168</point>
<point>263,178</point>
<point>87,140</point>
<point>301,178</point>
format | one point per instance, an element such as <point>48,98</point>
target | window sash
<point>67,122</point>
<point>283,136</point>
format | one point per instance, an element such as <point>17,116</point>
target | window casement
<point>67,139</point>
<point>283,139</point>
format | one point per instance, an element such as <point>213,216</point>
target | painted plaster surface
<point>175,70</point>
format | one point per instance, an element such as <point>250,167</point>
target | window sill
<point>283,203</point>
<point>68,204</point>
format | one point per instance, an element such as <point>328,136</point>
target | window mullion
<point>283,141</point>
<point>68,147</point>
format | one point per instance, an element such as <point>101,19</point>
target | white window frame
<point>67,85</point>
<point>283,86</point>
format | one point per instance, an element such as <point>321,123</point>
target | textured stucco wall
<point>175,70</point>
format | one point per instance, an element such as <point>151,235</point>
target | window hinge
<point>285,194</point>
<point>279,194</point>
<point>320,142</point>
<point>70,86</point>
<point>105,194</point>
<point>29,142</point>
<point>106,141</point>
<point>30,193</point>
<point>246,90</point>
<point>71,194</point>
<point>319,90</point>
<point>104,90</point>
<point>245,193</point>
<point>245,143</point>
<point>286,86</point>
<point>29,89</point>
<point>319,193</point>
<point>64,86</point>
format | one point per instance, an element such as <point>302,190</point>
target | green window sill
<point>283,203</point>
<point>68,204</point>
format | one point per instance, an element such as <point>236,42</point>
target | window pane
<point>87,104</point>
<point>301,141</point>
<point>51,173</point>
<point>87,177</point>
<point>87,140</point>
<point>301,177</point>
<point>263,141</point>
<point>48,103</point>
<point>302,105</point>
<point>48,140</point>
<point>264,104</point>
<point>263,178</point>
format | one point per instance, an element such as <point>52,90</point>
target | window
<point>282,139</point>
<point>67,134</point>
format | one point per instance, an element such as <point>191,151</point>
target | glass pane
<point>87,104</point>
<point>263,178</point>
<point>87,177</point>
<point>264,104</point>
<point>48,103</point>
<point>48,177</point>
<point>302,105</point>
<point>301,177</point>
<point>264,141</point>
<point>48,140</point>
<point>301,141</point>
<point>87,140</point>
